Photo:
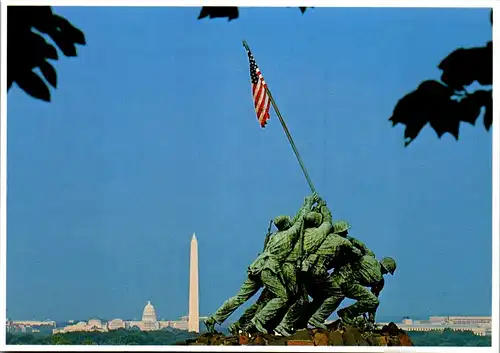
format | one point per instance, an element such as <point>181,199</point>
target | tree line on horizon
<point>168,336</point>
<point>449,338</point>
<point>445,338</point>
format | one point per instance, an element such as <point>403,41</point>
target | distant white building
<point>149,322</point>
<point>116,324</point>
<point>479,325</point>
<point>28,325</point>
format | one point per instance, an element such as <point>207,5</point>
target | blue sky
<point>152,136</point>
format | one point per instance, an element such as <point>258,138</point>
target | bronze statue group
<point>308,256</point>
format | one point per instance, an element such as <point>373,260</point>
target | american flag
<point>261,99</point>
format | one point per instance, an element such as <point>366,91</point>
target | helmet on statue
<point>341,226</point>
<point>388,264</point>
<point>313,219</point>
<point>282,222</point>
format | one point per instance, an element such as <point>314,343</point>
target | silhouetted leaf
<point>432,102</point>
<point>464,66</point>
<point>488,117</point>
<point>428,95</point>
<point>426,104</point>
<point>485,98</point>
<point>49,73</point>
<point>32,84</point>
<point>71,32</point>
<point>485,69</point>
<point>40,17</point>
<point>404,114</point>
<point>447,121</point>
<point>28,50</point>
<point>51,52</point>
<point>35,41</point>
<point>67,46</point>
<point>231,12</point>
<point>32,50</point>
<point>434,90</point>
<point>468,109</point>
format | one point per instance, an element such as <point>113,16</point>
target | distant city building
<point>479,325</point>
<point>13,326</point>
<point>462,320</point>
<point>93,325</point>
<point>116,324</point>
<point>149,322</point>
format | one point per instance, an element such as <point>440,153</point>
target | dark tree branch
<point>435,103</point>
<point>443,105</point>
<point>229,12</point>
<point>27,50</point>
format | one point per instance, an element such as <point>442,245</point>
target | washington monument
<point>194,315</point>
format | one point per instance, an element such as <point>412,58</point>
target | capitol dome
<point>149,313</point>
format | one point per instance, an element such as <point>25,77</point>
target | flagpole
<point>287,132</point>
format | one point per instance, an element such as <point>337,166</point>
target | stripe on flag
<point>261,99</point>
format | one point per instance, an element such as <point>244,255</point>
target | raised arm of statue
<point>327,215</point>
<point>283,242</point>
<point>306,207</point>
<point>294,231</point>
<point>347,249</point>
<point>345,252</point>
<point>369,252</point>
<point>361,246</point>
<point>326,227</point>
<point>354,253</point>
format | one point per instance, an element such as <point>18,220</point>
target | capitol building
<point>149,322</point>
